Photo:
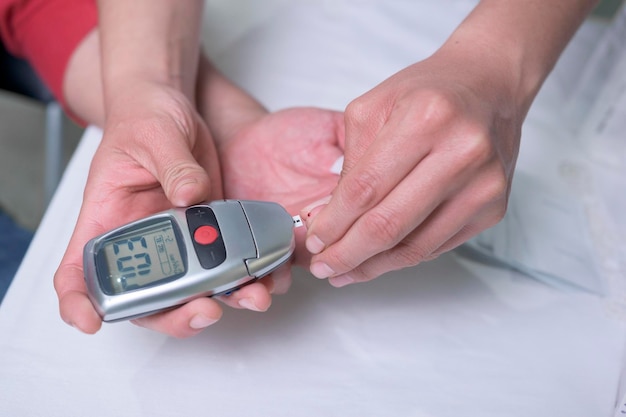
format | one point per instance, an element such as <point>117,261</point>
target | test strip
<point>297,221</point>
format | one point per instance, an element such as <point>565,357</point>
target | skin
<point>124,173</point>
<point>284,156</point>
<point>156,151</point>
<point>429,153</point>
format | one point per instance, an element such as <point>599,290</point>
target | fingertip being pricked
<point>310,212</point>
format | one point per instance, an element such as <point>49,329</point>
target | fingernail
<point>321,202</point>
<point>200,321</point>
<point>341,280</point>
<point>249,304</point>
<point>179,195</point>
<point>187,192</point>
<point>314,244</point>
<point>321,270</point>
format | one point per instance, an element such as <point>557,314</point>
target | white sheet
<point>447,338</point>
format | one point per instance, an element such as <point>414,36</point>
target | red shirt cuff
<point>46,33</point>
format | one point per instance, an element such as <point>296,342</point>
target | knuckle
<point>440,105</point>
<point>171,176</point>
<point>340,261</point>
<point>178,170</point>
<point>435,108</point>
<point>361,190</point>
<point>362,274</point>
<point>477,147</point>
<point>499,211</point>
<point>383,227</point>
<point>495,188</point>
<point>358,111</point>
<point>498,216</point>
<point>408,253</point>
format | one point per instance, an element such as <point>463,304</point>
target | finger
<point>183,180</point>
<point>363,120</point>
<point>486,218</point>
<point>437,176</point>
<point>340,131</point>
<point>451,224</point>
<point>255,296</point>
<point>454,209</point>
<point>385,163</point>
<point>75,307</point>
<point>384,226</point>
<point>185,321</point>
<point>487,215</point>
<point>281,280</point>
<point>167,155</point>
<point>302,257</point>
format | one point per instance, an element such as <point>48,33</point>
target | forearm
<point>149,40</point>
<point>515,44</point>
<point>224,106</point>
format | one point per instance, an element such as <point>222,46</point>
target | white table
<point>447,338</point>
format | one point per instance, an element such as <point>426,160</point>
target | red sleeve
<point>46,32</point>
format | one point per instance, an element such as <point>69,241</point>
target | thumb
<point>183,179</point>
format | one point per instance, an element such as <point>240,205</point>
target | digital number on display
<point>142,258</point>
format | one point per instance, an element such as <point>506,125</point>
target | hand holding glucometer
<point>175,256</point>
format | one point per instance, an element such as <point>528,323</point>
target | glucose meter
<point>172,257</point>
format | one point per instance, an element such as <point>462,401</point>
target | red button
<point>205,235</point>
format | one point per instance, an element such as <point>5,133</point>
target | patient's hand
<point>284,157</point>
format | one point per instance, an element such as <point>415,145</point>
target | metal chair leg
<point>54,148</point>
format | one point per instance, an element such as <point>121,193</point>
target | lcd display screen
<point>141,257</point>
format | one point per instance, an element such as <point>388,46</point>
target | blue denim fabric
<point>14,241</point>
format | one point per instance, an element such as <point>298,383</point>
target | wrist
<point>513,46</point>
<point>125,82</point>
<point>225,107</point>
<point>483,71</point>
<point>147,40</point>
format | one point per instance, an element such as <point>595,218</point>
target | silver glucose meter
<point>172,257</point>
